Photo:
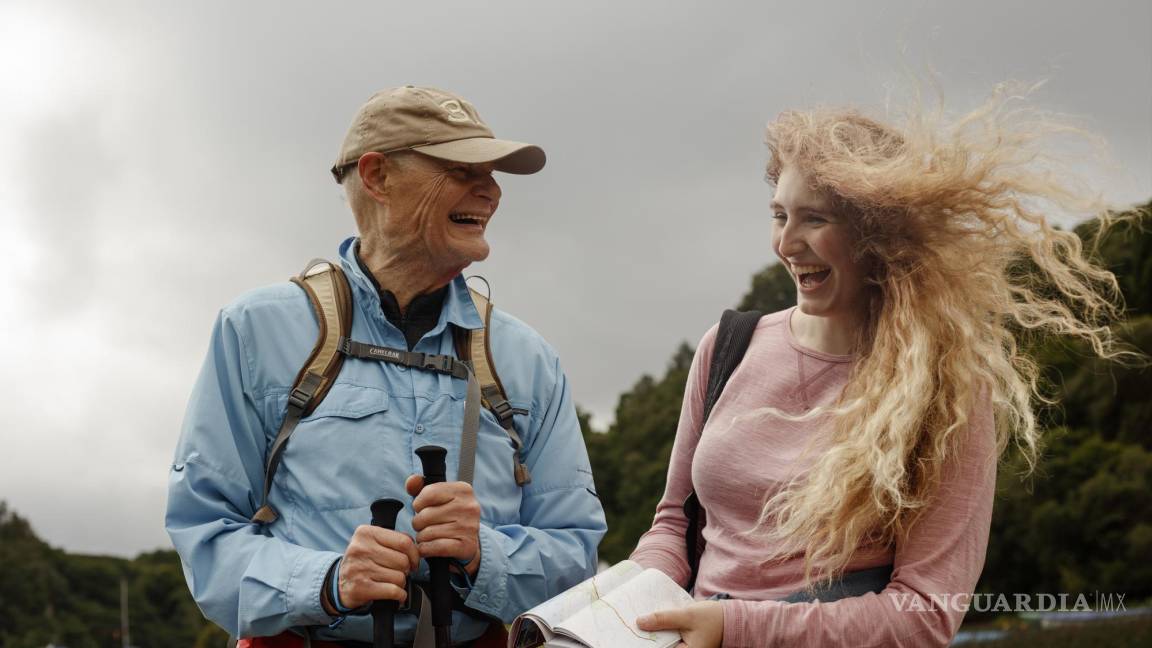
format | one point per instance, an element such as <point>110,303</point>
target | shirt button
<point>419,429</point>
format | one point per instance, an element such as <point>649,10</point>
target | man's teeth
<point>809,269</point>
<point>467,218</point>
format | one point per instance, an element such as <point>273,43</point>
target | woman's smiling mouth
<point>811,276</point>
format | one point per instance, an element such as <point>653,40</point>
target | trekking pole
<point>432,459</point>
<point>384,612</point>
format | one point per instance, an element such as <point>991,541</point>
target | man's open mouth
<point>468,219</point>
<point>811,276</point>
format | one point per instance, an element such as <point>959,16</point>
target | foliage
<point>1082,524</point>
<point>772,290</point>
<point>630,461</point>
<point>50,597</point>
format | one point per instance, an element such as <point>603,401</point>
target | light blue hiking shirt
<point>357,446</point>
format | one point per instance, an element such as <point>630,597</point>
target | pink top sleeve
<point>935,571</point>
<point>662,546</point>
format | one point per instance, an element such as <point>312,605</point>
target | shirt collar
<point>457,309</point>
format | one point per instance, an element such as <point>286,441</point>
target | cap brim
<point>509,157</point>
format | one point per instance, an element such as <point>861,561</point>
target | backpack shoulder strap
<point>732,340</point>
<point>331,298</point>
<point>474,346</point>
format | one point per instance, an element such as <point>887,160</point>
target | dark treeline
<point>1082,522</point>
<point>48,596</point>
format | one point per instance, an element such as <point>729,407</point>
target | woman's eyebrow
<point>823,210</point>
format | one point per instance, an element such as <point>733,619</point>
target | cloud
<point>160,159</point>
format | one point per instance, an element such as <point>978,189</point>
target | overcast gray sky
<point>157,159</point>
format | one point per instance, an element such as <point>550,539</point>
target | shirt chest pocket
<point>338,454</point>
<point>347,401</point>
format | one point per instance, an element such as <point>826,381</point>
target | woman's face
<point>815,243</point>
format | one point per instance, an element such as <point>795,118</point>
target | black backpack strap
<point>732,339</point>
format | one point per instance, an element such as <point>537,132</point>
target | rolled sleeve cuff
<point>666,555</point>
<point>303,593</point>
<point>489,591</point>
<point>737,633</point>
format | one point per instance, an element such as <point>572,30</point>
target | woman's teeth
<point>810,276</point>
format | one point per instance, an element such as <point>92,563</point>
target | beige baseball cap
<point>433,122</point>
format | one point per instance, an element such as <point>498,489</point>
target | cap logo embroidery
<point>455,111</point>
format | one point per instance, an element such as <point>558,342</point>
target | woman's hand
<point>701,625</point>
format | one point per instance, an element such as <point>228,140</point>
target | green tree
<point>630,460</point>
<point>1081,522</point>
<point>50,596</point>
<point>772,290</point>
<point>164,611</point>
<point>31,586</point>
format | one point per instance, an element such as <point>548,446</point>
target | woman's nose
<point>791,242</point>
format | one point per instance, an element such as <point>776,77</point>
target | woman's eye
<point>780,216</point>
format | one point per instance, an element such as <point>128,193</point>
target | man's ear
<point>372,168</point>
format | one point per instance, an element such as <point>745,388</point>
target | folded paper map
<point>601,612</point>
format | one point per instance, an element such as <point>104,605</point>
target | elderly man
<point>417,168</point>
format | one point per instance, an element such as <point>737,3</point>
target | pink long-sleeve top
<point>744,456</point>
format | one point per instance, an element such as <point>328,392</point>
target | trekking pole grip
<point>432,460</point>
<point>384,513</point>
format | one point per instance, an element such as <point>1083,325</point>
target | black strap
<point>444,364</point>
<point>499,407</point>
<point>298,402</point>
<point>503,411</point>
<point>732,339</point>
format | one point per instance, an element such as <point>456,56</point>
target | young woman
<point>848,468</point>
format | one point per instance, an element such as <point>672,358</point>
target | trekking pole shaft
<point>432,459</point>
<point>384,513</point>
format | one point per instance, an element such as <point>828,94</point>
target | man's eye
<point>468,173</point>
<point>780,216</point>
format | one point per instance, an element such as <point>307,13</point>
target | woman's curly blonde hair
<point>953,221</point>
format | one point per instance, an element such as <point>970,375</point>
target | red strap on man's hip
<point>495,637</point>
<point>283,640</point>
